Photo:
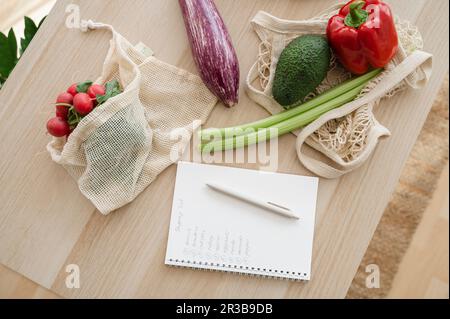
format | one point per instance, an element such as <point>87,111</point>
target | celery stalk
<point>294,111</point>
<point>283,127</point>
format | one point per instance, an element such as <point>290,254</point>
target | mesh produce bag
<point>349,134</point>
<point>119,148</point>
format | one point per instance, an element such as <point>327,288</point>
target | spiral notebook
<point>210,230</point>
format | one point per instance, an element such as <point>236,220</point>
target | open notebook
<point>210,230</point>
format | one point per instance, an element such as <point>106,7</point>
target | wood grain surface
<point>46,224</point>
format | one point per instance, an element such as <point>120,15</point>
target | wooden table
<point>46,224</point>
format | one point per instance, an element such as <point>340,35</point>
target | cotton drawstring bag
<point>119,148</point>
<point>349,134</point>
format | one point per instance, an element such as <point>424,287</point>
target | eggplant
<point>212,49</point>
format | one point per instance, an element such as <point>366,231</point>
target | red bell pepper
<point>363,34</point>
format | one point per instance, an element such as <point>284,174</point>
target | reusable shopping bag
<point>119,148</point>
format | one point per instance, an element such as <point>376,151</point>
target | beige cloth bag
<point>347,135</point>
<point>118,149</point>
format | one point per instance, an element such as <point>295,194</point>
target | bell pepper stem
<point>357,15</point>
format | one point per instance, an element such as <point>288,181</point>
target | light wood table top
<point>46,223</point>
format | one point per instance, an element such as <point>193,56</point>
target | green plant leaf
<point>12,43</point>
<point>30,31</point>
<point>30,28</point>
<point>8,53</point>
<point>8,48</point>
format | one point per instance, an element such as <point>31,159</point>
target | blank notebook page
<point>211,230</point>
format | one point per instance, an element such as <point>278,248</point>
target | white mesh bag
<point>119,148</point>
<point>349,134</point>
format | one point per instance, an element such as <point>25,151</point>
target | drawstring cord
<point>87,25</point>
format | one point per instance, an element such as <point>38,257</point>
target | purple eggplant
<point>212,49</point>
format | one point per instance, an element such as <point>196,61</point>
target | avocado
<point>302,66</point>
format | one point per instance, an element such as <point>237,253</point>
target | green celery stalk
<point>280,117</point>
<point>283,127</point>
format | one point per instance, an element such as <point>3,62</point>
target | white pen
<point>271,206</point>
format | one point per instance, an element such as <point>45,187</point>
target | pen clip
<point>279,206</point>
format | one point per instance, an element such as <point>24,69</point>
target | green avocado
<point>302,66</point>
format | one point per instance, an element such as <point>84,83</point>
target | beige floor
<point>15,286</point>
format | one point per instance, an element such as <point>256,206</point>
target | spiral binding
<point>262,272</point>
